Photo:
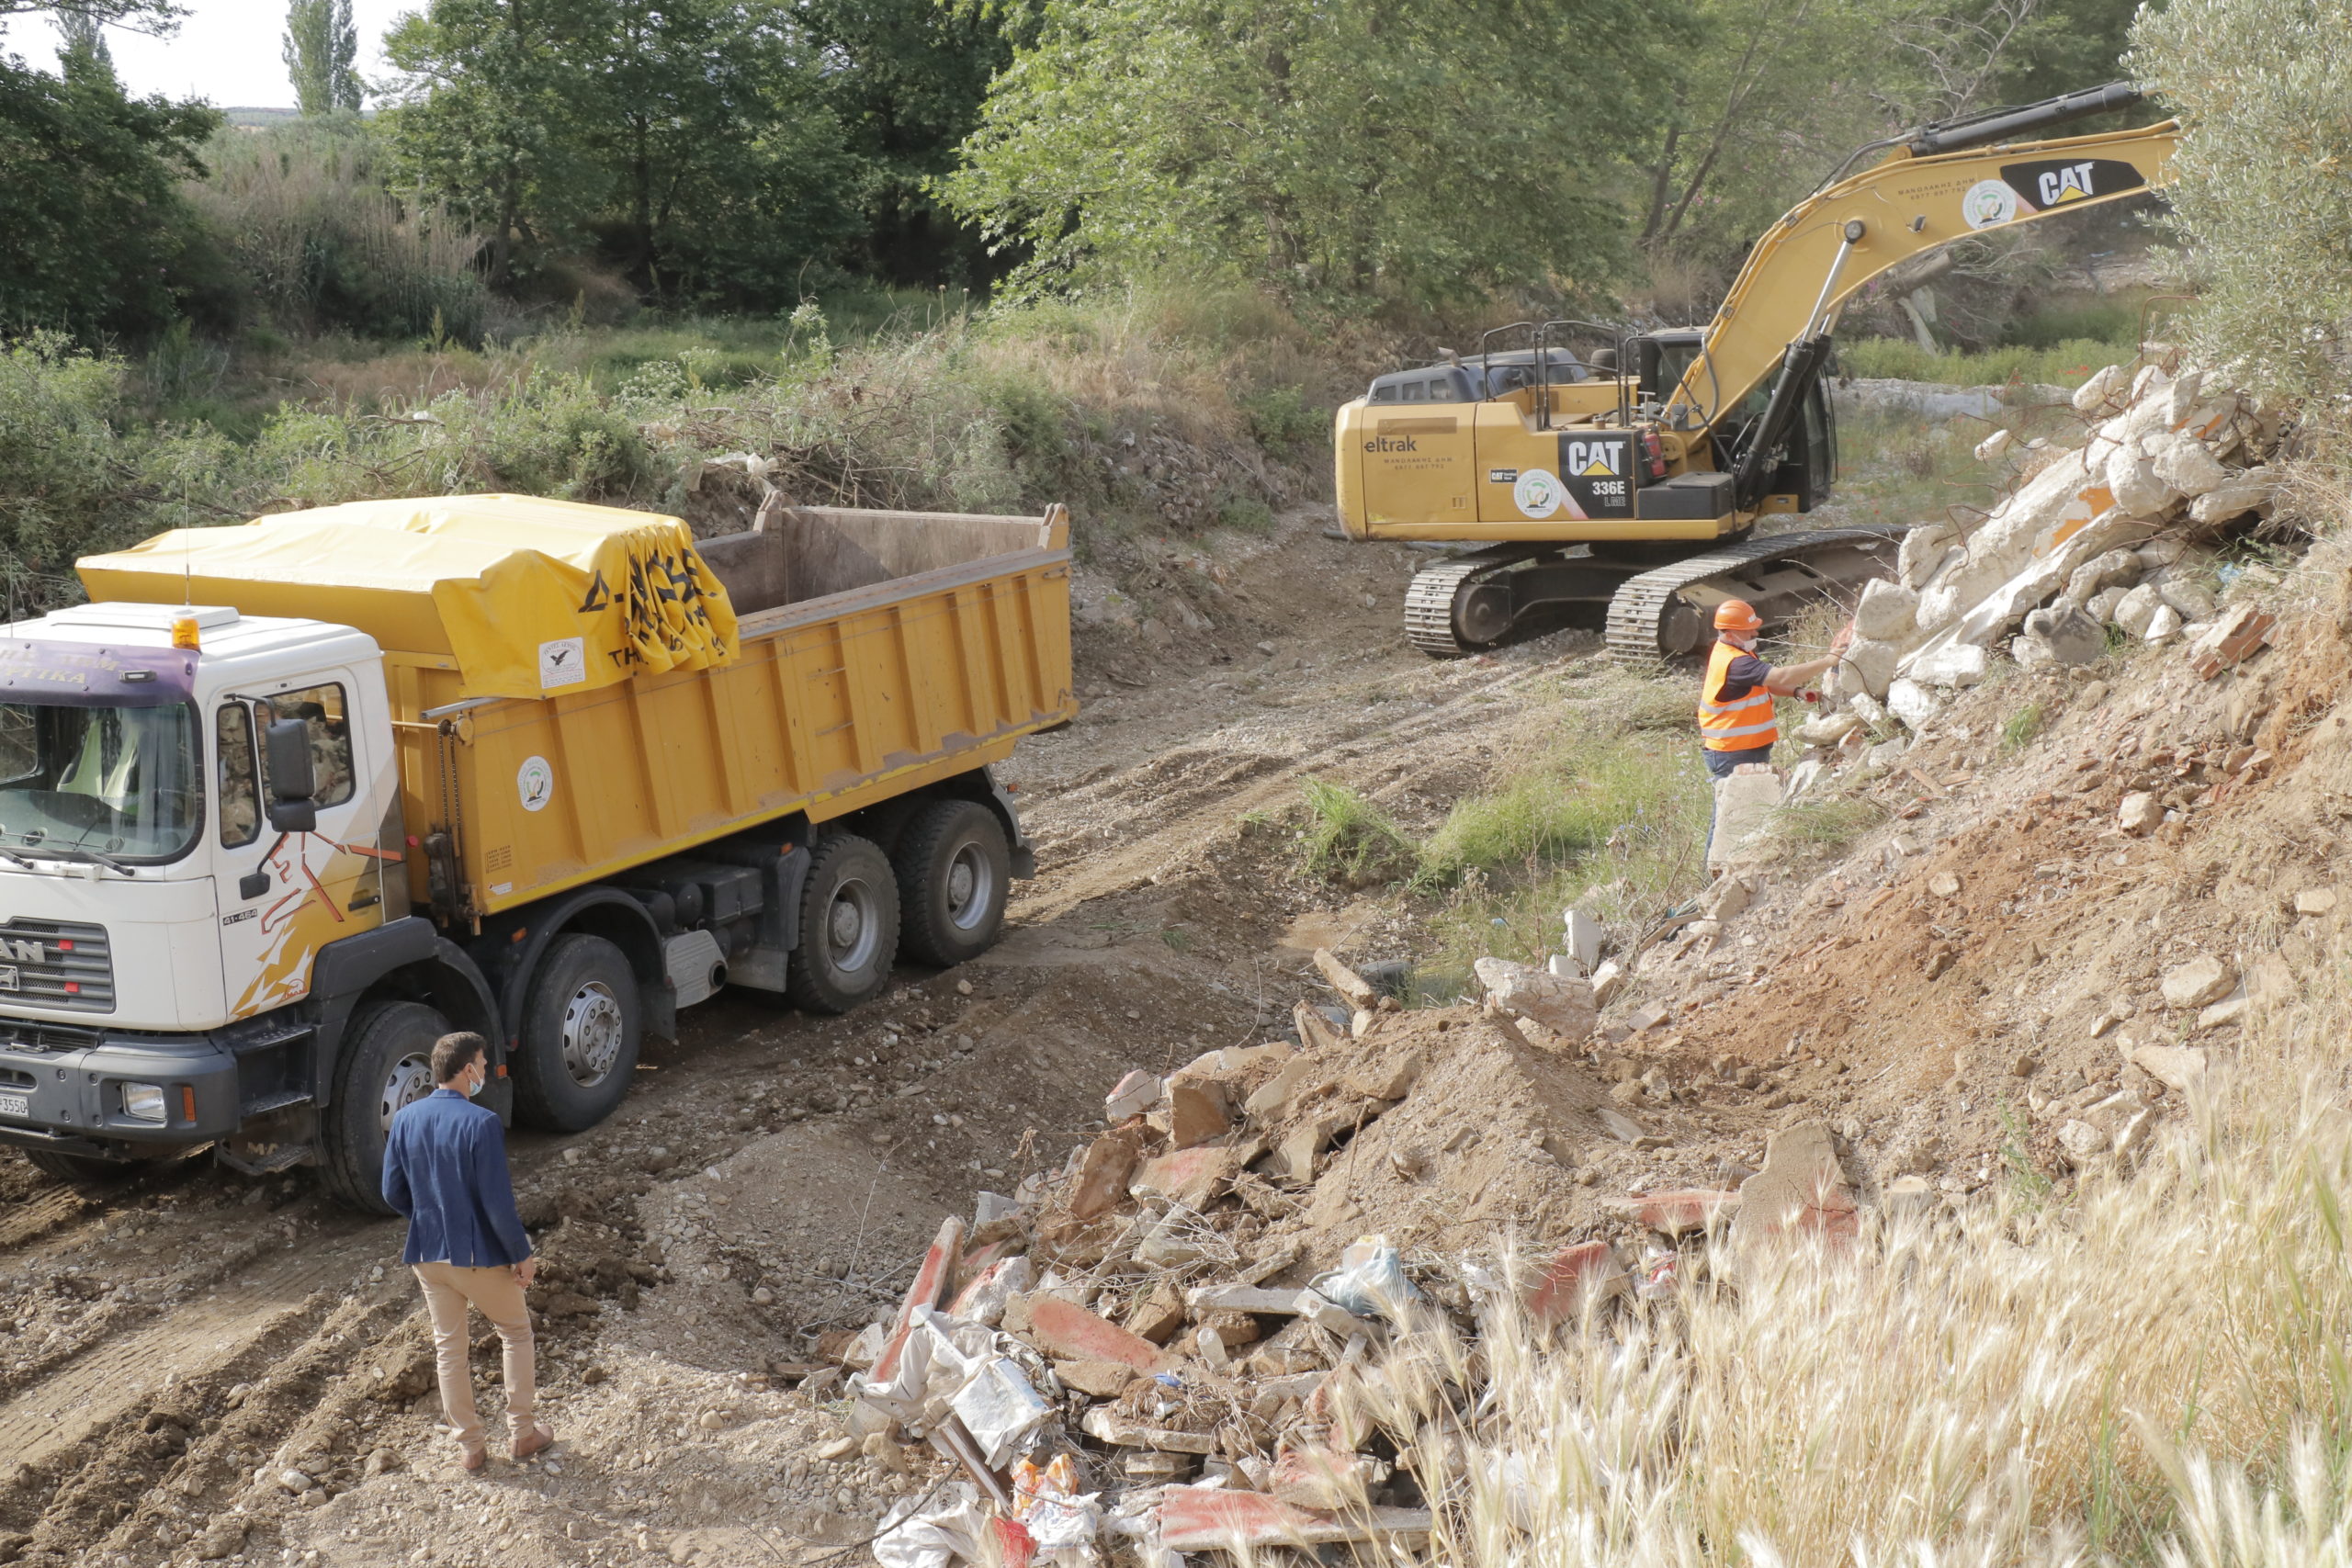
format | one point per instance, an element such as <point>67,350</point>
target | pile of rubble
<point>1177,1342</point>
<point>2117,532</point>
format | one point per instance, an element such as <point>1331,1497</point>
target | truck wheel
<point>84,1173</point>
<point>955,872</point>
<point>849,927</point>
<point>580,1036</point>
<point>386,1063</point>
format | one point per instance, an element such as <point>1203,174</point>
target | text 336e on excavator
<point>1640,484</point>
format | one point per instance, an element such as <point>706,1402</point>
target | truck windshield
<point>79,781</point>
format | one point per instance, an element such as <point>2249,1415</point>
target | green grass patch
<point>2067,363</point>
<point>1826,824</point>
<point>1349,838</point>
<point>2023,726</point>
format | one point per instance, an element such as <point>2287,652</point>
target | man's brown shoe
<point>537,1440</point>
<point>472,1459</point>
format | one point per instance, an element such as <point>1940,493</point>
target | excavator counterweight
<point>1638,482</point>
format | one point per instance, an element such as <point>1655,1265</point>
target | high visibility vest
<point>1737,725</point>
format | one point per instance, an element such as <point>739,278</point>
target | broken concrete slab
<point>1196,1112</point>
<point>1354,988</point>
<point>1194,1177</point>
<point>1103,1173</point>
<point>1215,1519</point>
<point>1246,1298</point>
<point>2177,1067</point>
<point>1316,1032</point>
<point>1136,1093</point>
<point>1581,937</point>
<point>1064,1331</point>
<point>1099,1422</point>
<point>1681,1211</point>
<point>1390,1077</point>
<point>1565,1007</point>
<point>1578,1280</point>
<point>926,1289</point>
<point>1103,1379</point>
<point>1801,1191</point>
<point>1273,1098</point>
<point>1158,1313</point>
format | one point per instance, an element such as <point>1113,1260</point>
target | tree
<point>81,34</point>
<point>1432,149</point>
<point>686,142</point>
<point>92,222</point>
<point>2262,198</point>
<point>320,48</point>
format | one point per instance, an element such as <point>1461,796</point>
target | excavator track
<point>1638,610</point>
<point>1430,624</point>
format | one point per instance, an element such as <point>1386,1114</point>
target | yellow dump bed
<point>839,657</point>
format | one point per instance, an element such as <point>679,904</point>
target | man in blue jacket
<point>445,1168</point>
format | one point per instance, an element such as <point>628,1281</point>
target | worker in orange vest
<point>1735,723</point>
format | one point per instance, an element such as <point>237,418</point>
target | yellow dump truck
<point>285,803</point>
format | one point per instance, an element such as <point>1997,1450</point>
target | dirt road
<point>187,1347</point>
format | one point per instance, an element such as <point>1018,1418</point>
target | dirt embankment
<point>204,1368</point>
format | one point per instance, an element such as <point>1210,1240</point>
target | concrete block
<point>1065,1331</point>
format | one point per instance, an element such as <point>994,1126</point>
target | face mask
<point>473,1090</point>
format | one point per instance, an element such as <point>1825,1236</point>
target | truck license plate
<point>17,1105</point>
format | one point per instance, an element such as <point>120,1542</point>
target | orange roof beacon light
<point>184,633</point>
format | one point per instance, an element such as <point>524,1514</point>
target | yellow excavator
<point>1635,477</point>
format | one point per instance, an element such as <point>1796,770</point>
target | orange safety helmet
<point>1737,616</point>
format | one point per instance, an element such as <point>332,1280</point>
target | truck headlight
<point>144,1101</point>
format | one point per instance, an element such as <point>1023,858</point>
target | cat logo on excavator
<point>1594,459</point>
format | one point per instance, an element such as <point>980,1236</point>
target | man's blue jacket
<point>445,1168</point>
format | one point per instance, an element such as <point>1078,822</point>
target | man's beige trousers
<point>499,1295</point>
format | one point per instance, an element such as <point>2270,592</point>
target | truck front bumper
<point>117,1095</point>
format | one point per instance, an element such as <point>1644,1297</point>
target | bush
<point>64,490</point>
<point>1350,838</point>
<point>2263,89</point>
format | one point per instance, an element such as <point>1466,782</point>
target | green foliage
<point>314,242</point>
<point>2023,726</point>
<point>1350,838</point>
<point>63,470</point>
<point>321,45</point>
<point>2065,364</point>
<point>92,224</point>
<point>1559,805</point>
<point>2263,198</point>
<point>1282,420</point>
<point>1425,151</point>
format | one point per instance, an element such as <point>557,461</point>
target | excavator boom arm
<point>1806,266</point>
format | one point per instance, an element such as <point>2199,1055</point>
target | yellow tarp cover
<point>532,597</point>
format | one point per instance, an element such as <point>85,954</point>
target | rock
<point>2090,696</point>
<point>1196,1112</point>
<point>221,1538</point>
<point>1828,729</point>
<point>1391,1078</point>
<point>1649,1017</point>
<point>2164,626</point>
<point>2137,608</point>
<point>1136,1093</point>
<point>2102,388</point>
<point>2185,595</point>
<point>2315,901</point>
<point>1727,899</point>
<point>1578,1280</point>
<point>1944,885</point>
<point>1801,1191</point>
<point>1293,1158</point>
<point>1103,1174</point>
<point>1103,1379</point>
<point>1912,702</point>
<point>2229,1009</point>
<point>838,1450</point>
<point>1565,1007</point>
<point>2177,1067</point>
<point>1158,1313</point>
<point>2242,493</point>
<point>2188,466</point>
<point>2099,573</point>
<point>1194,1177</point>
<point>1103,1424</point>
<point>1873,664</point>
<point>2134,481</point>
<point>294,1481</point>
<point>2197,983</point>
<point>1564,966</point>
<point>1325,1479</point>
<point>1887,611</point>
<point>2082,1142</point>
<point>1272,1099</point>
<point>2140,813</point>
<point>2101,607</point>
<point>1953,664</point>
<point>1607,981</point>
<point>2070,635</point>
<point>1994,446</point>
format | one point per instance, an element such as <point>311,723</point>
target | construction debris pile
<point>1176,1343</point>
<point>2117,532</point>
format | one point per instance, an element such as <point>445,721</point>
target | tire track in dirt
<point>117,1373</point>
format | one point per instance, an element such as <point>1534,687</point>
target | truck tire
<point>849,927</point>
<point>386,1063</point>
<point>955,872</point>
<point>84,1173</point>
<point>580,1030</point>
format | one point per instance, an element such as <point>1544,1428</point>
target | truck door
<point>283,895</point>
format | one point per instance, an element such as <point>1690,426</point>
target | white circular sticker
<point>1537,493</point>
<point>534,782</point>
<point>1987,203</point>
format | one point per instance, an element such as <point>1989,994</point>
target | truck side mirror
<point>292,782</point>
